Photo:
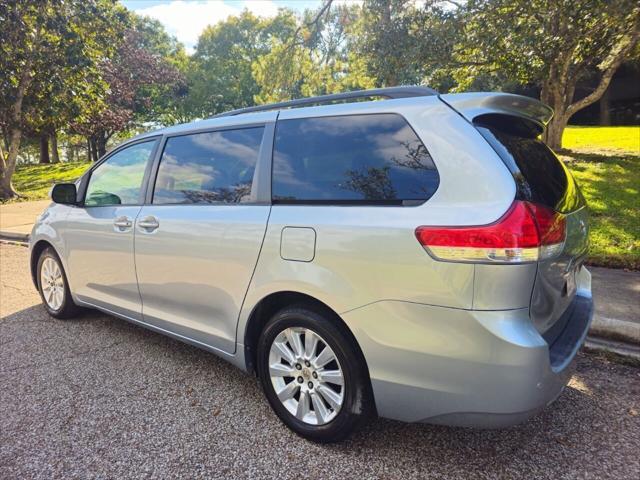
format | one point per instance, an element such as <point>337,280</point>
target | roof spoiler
<point>473,105</point>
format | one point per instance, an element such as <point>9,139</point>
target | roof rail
<point>388,93</point>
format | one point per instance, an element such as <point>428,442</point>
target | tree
<point>47,47</point>
<point>222,77</point>
<point>385,41</point>
<point>137,77</point>
<point>315,59</point>
<point>552,44</point>
<point>166,102</point>
<point>406,42</point>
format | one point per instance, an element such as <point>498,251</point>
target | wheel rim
<point>306,375</point>
<point>52,283</point>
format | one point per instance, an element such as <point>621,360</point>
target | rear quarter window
<point>351,159</point>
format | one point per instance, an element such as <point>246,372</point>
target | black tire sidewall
<point>353,407</point>
<point>68,308</point>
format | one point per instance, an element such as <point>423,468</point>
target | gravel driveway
<point>100,398</point>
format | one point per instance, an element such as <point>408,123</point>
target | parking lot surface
<point>97,397</point>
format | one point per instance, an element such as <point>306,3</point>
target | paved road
<point>99,398</point>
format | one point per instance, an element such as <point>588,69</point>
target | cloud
<point>186,20</point>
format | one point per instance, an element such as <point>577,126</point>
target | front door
<point>198,241</point>
<point>99,234</point>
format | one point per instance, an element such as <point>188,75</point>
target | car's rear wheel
<point>311,374</point>
<point>53,286</point>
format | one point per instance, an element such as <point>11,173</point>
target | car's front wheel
<point>53,286</point>
<point>312,375</point>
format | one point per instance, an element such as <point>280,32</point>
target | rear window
<point>353,159</point>
<point>540,176</point>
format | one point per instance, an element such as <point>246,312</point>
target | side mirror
<point>64,193</point>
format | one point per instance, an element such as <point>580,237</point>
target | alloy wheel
<point>306,375</point>
<point>52,283</point>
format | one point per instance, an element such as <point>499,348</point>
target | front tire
<point>54,287</point>
<point>311,374</point>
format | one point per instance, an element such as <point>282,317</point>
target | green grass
<point>33,182</point>
<point>606,163</point>
<point>604,160</point>
<point>603,139</point>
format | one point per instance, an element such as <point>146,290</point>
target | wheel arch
<point>276,301</point>
<point>36,250</point>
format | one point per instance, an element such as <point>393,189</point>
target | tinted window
<point>210,167</point>
<point>118,180</point>
<point>351,159</point>
<point>540,175</point>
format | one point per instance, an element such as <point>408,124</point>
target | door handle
<point>148,224</point>
<point>122,223</point>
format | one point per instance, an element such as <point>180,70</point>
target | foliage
<point>552,44</point>
<point>49,56</point>
<point>405,42</point>
<point>61,43</point>
<point>315,59</point>
<point>222,78</point>
<point>139,79</point>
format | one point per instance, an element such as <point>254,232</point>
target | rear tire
<point>54,287</point>
<point>311,374</point>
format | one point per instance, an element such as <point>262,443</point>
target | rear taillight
<point>526,233</point>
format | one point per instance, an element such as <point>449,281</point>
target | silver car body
<point>454,343</point>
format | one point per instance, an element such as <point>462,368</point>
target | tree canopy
<point>552,44</point>
<point>92,69</point>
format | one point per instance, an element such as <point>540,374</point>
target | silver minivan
<point>392,252</point>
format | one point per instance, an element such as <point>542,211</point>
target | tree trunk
<point>44,149</point>
<point>101,144</point>
<point>555,129</point>
<point>553,96</point>
<point>55,155</point>
<point>605,112</point>
<point>8,165</point>
<point>88,149</point>
<point>93,148</point>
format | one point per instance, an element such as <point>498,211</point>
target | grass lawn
<point>606,164</point>
<point>35,181</point>
<point>604,160</point>
<point>603,139</point>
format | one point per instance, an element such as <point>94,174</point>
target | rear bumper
<point>467,368</point>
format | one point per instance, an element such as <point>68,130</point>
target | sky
<point>185,19</point>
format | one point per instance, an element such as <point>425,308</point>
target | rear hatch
<point>543,179</point>
<point>513,124</point>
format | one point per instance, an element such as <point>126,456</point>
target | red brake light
<point>551,225</point>
<point>526,233</point>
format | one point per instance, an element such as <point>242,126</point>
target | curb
<point>14,237</point>
<point>622,349</point>
<point>613,329</point>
